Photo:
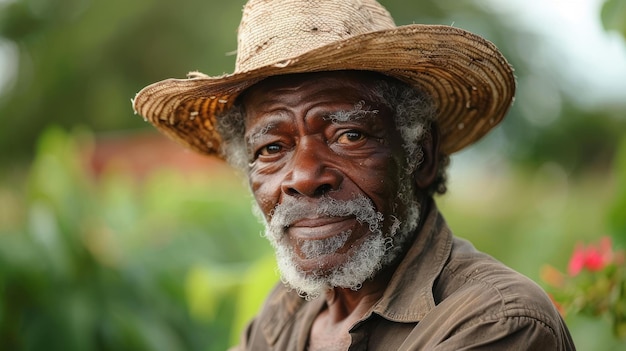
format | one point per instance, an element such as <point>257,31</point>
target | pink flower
<point>593,257</point>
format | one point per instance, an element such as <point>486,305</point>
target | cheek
<point>380,174</point>
<point>380,181</point>
<point>266,192</point>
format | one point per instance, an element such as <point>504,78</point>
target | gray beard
<point>377,251</point>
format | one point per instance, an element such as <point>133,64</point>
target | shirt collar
<point>409,295</point>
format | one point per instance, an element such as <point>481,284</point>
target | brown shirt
<point>444,295</point>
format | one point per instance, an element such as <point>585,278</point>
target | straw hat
<point>471,83</point>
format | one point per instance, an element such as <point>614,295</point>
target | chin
<point>349,270</point>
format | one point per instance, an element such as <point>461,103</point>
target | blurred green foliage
<point>617,214</point>
<point>118,264</point>
<point>614,16</point>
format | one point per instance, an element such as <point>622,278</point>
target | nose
<point>310,174</point>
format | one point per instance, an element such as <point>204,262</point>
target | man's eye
<point>270,149</point>
<point>351,136</point>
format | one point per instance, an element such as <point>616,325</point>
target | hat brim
<point>470,82</point>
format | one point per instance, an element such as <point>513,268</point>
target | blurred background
<point>114,238</point>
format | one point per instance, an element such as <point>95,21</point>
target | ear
<point>426,172</point>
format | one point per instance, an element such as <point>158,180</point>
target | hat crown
<point>272,31</point>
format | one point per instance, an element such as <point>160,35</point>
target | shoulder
<point>282,318</point>
<point>280,306</point>
<point>470,272</point>
<point>480,293</point>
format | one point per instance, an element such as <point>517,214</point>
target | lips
<point>320,228</point>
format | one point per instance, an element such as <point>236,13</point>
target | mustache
<point>292,210</point>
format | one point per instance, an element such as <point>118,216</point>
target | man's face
<point>324,171</point>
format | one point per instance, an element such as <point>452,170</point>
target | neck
<point>344,308</point>
<point>347,304</point>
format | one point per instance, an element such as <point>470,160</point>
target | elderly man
<point>343,124</point>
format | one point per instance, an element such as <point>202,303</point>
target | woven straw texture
<point>469,80</point>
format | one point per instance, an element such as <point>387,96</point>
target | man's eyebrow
<point>258,132</point>
<point>359,111</point>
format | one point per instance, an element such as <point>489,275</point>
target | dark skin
<point>297,150</point>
